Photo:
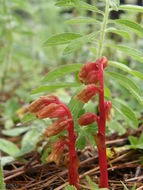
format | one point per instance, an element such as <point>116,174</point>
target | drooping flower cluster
<point>90,76</point>
<point>51,107</point>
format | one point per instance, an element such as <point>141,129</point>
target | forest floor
<point>125,165</point>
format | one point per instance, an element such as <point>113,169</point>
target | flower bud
<point>103,60</point>
<point>46,111</point>
<point>42,102</point>
<point>88,93</point>
<point>57,151</point>
<point>86,71</point>
<point>57,127</point>
<point>87,119</point>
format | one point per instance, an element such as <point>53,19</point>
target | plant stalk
<point>102,34</point>
<point>100,138</point>
<point>74,163</point>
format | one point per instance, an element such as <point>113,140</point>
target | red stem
<point>73,167</point>
<point>101,132</point>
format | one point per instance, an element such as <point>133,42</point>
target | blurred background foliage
<point>25,59</point>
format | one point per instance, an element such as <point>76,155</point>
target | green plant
<point>136,143</point>
<point>80,42</point>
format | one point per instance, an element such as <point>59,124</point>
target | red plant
<point>51,107</point>
<point>93,74</point>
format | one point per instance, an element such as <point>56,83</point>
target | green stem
<point>102,34</point>
<point>2,184</point>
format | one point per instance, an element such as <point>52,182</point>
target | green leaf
<point>115,4</point>
<point>133,141</point>
<point>115,126</point>
<point>15,132</point>
<point>126,69</point>
<point>119,32</point>
<point>128,51</point>
<point>128,84</point>
<point>93,186</point>
<point>125,187</point>
<point>124,79</point>
<point>133,26</point>
<point>78,43</point>
<point>30,140</point>
<point>81,141</point>
<point>107,92</point>
<point>82,20</point>
<point>51,87</point>
<point>91,183</point>
<point>62,71</point>
<point>60,39</point>
<point>28,117</point>
<point>78,4</point>
<point>6,160</point>
<point>75,106</point>
<point>32,136</point>
<point>126,111</point>
<point>134,8</point>
<point>8,147</point>
<point>70,187</point>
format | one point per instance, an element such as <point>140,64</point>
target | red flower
<point>57,151</point>
<point>87,119</point>
<point>57,127</point>
<point>88,93</point>
<point>53,110</point>
<point>42,102</point>
<point>104,61</point>
<point>89,73</point>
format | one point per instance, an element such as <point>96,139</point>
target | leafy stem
<point>102,34</point>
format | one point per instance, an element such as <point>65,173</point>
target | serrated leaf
<point>128,84</point>
<point>62,71</point>
<point>119,32</point>
<point>126,111</point>
<point>78,43</point>
<point>78,4</point>
<point>115,4</point>
<point>126,69</point>
<point>82,20</point>
<point>128,51</point>
<point>133,26</point>
<point>15,132</point>
<point>134,8</point>
<point>61,39</point>
<point>8,147</point>
<point>51,87</point>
